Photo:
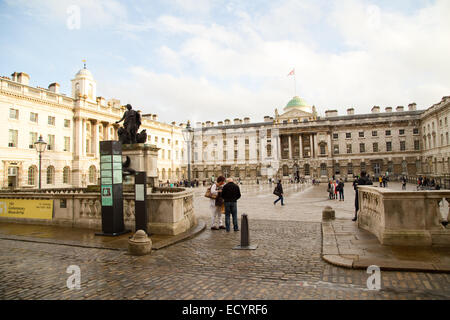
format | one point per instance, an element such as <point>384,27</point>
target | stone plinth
<point>140,244</point>
<point>404,218</point>
<point>170,210</point>
<point>143,158</point>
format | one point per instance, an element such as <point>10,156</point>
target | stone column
<point>300,144</point>
<point>311,144</point>
<point>290,146</point>
<point>95,139</point>
<point>329,145</point>
<point>278,147</point>
<point>83,137</point>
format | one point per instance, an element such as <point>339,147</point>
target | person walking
<point>216,204</point>
<point>380,179</point>
<point>404,183</point>
<point>230,194</point>
<point>341,190</point>
<point>279,193</point>
<point>363,180</point>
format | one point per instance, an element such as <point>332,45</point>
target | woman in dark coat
<point>278,192</point>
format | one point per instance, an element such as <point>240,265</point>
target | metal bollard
<point>245,236</point>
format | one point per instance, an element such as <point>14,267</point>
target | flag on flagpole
<point>292,73</point>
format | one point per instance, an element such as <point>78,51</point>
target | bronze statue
<point>128,134</point>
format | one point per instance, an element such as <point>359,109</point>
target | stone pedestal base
<point>143,157</point>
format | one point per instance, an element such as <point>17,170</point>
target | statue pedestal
<point>143,158</point>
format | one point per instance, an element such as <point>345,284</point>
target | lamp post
<point>40,146</point>
<point>188,135</point>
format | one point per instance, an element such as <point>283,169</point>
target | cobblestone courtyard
<point>286,265</point>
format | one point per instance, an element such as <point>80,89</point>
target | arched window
<point>337,169</point>
<point>32,175</point>
<point>285,170</point>
<point>307,171</point>
<point>66,175</point>
<point>50,175</point>
<point>323,169</point>
<point>92,174</point>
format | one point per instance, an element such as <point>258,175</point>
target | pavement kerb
<point>344,262</point>
<point>194,231</point>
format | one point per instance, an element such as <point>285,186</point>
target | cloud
<point>233,61</point>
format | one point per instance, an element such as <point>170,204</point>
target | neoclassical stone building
<point>300,143</point>
<point>72,126</point>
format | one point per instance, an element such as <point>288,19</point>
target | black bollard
<point>245,235</point>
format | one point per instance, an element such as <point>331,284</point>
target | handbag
<point>208,194</point>
<point>276,192</point>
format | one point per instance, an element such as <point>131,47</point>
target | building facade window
<point>374,133</point>
<point>67,144</point>
<point>388,146</point>
<point>307,171</point>
<point>349,148</point>
<point>13,138</point>
<point>335,136</point>
<point>33,139</point>
<point>32,175</point>
<point>34,117</point>
<point>388,133</point>
<point>416,131</point>
<point>350,168</point>
<point>323,169</point>
<point>361,134</point>
<point>416,145</point>
<point>375,147</point>
<point>92,175</point>
<point>66,175</point>
<point>50,175</point>
<point>402,145</point>
<point>362,148</point>
<point>348,135</point>
<point>14,114</point>
<point>336,149</point>
<point>66,123</point>
<point>51,121</point>
<point>51,142</point>
<point>401,132</point>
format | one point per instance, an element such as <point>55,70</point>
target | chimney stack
<point>54,87</point>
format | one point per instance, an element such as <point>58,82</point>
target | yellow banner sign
<point>26,208</point>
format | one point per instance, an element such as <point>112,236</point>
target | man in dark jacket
<point>363,180</point>
<point>230,194</point>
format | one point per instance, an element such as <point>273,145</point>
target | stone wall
<point>405,218</point>
<point>169,213</point>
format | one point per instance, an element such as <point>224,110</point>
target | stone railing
<point>167,213</point>
<point>405,218</point>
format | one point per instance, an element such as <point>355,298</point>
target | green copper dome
<point>296,102</point>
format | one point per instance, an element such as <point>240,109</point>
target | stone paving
<point>286,265</point>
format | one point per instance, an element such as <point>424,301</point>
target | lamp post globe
<point>188,135</point>
<point>40,146</point>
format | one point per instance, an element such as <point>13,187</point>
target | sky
<point>203,60</point>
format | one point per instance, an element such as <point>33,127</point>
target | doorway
<point>12,177</point>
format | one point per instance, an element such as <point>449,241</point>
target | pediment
<point>295,114</point>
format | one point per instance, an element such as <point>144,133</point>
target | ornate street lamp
<point>188,135</point>
<point>40,146</point>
